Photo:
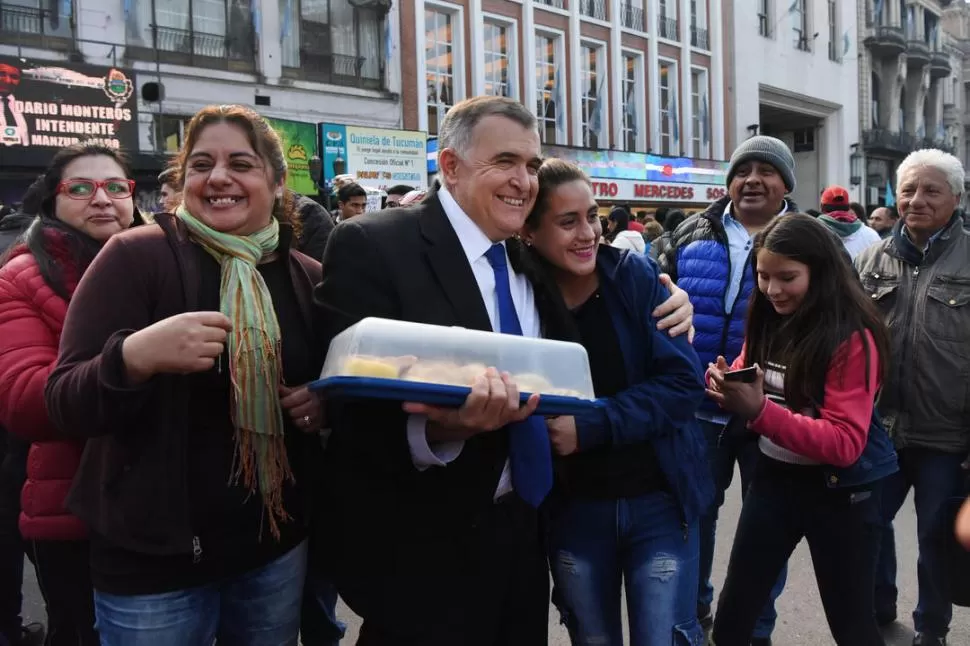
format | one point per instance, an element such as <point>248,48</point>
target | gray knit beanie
<point>768,150</point>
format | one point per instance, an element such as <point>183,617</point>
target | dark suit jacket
<point>391,522</point>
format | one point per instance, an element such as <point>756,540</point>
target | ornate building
<point>904,71</point>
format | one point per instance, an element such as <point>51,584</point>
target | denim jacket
<point>877,461</point>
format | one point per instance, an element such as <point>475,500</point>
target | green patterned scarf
<point>255,369</point>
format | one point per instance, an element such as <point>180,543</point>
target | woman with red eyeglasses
<point>83,198</point>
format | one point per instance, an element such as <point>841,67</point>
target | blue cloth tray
<point>433,394</point>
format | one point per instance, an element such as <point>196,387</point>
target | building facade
<point>299,61</point>
<point>795,77</point>
<point>905,67</point>
<point>637,76</point>
<point>956,92</point>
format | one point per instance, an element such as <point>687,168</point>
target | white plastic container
<point>454,356</point>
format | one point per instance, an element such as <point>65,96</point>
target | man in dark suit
<point>430,536</point>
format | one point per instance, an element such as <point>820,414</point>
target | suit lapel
<point>450,267</point>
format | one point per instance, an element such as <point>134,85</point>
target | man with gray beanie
<point>709,257</point>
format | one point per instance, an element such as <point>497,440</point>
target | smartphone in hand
<point>744,375</point>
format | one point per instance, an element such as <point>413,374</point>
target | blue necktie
<point>530,454</point>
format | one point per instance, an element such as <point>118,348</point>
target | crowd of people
<point>175,482</point>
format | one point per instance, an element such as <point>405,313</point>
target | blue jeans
<point>723,450</point>
<point>936,477</point>
<point>258,608</point>
<point>597,544</point>
<point>320,626</point>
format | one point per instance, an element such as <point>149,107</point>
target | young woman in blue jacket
<point>631,474</point>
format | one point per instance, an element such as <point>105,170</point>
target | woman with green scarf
<point>183,361</point>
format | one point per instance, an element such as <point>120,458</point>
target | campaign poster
<point>53,104</point>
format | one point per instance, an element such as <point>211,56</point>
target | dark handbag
<point>958,557</point>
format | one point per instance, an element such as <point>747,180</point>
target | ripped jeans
<point>596,545</point>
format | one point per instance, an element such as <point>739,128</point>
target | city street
<point>800,618</point>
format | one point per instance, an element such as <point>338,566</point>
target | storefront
<point>48,105</point>
<point>644,181</point>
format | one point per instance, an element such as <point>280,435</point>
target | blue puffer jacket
<point>665,386</point>
<point>696,256</point>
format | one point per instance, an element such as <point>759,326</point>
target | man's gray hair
<point>946,163</point>
<point>459,124</point>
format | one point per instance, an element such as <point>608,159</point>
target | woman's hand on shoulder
<point>181,344</point>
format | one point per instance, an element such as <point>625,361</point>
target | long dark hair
<point>40,200</point>
<point>834,308</point>
<point>622,218</point>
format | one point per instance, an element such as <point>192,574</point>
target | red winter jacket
<point>31,319</point>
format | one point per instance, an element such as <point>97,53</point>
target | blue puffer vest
<point>696,256</point>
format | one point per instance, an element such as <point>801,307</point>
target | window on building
<point>799,18</point>
<point>440,64</point>
<point>36,18</point>
<point>550,90</point>
<point>669,125</point>
<point>764,17</point>
<point>632,101</point>
<point>331,41</point>
<point>698,24</point>
<point>499,66</point>
<point>700,108</point>
<point>966,147</point>
<point>875,12</point>
<point>875,92</point>
<point>668,19</point>
<point>902,109</point>
<point>169,132</point>
<point>834,40</point>
<point>804,140</point>
<point>631,14</point>
<point>205,33</point>
<point>668,8</point>
<point>931,30</point>
<point>593,8</point>
<point>592,84</point>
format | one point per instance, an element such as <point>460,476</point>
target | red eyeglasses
<point>84,189</point>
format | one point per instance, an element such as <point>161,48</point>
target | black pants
<point>13,468</point>
<point>489,587</point>
<point>785,504</point>
<point>64,577</point>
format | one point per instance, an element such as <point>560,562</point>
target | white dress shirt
<point>21,122</point>
<point>475,243</point>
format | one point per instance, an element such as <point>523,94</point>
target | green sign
<point>299,145</point>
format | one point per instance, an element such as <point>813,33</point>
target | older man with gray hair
<point>920,279</point>
<point>430,520</point>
